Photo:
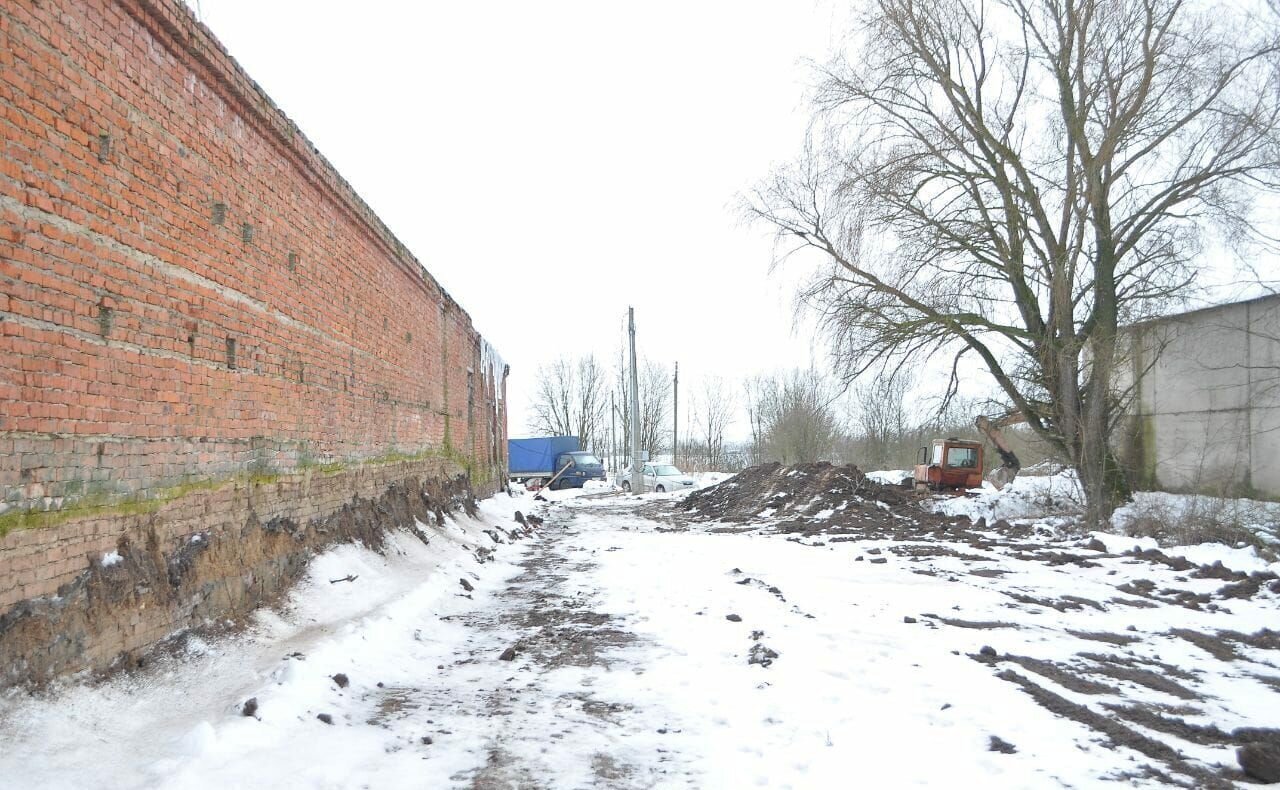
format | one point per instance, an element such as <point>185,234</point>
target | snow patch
<point>890,477</point>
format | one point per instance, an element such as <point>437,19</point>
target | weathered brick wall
<point>190,294</point>
<point>189,289</point>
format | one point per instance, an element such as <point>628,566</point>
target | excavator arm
<point>1008,470</point>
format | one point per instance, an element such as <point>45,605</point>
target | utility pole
<point>637,477</point>
<point>613,436</point>
<point>675,421</point>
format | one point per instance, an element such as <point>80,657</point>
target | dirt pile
<point>811,498</point>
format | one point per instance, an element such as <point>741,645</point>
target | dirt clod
<point>1218,571</point>
<point>759,654</point>
<point>508,655</point>
<point>326,718</point>
<point>999,744</point>
<point>250,707</point>
<point>342,680</point>
<point>1260,761</point>
<point>466,585</point>
<point>733,618</point>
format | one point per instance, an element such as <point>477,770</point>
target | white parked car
<point>659,477</point>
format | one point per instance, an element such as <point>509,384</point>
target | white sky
<point>552,163</point>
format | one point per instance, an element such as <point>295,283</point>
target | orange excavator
<point>956,464</point>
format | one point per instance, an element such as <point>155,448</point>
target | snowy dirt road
<point>620,646</point>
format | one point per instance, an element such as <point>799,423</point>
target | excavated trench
<point>117,612</point>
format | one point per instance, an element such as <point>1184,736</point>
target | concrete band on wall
<point>1206,414</point>
<point>193,300</point>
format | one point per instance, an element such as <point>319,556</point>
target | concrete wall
<point>192,300</point>
<point>1207,409</point>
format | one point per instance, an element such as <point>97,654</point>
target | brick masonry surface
<point>191,295</point>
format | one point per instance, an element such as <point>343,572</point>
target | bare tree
<point>592,403</point>
<point>883,418</point>
<point>1017,179</point>
<point>571,400</point>
<point>759,392</point>
<point>655,406</point>
<point>712,410</point>
<point>792,417</point>
<point>804,427</point>
<point>553,401</point>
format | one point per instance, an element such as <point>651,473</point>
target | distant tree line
<point>791,416</point>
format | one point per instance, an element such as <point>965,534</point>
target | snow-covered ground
<point>890,477</point>
<point>1026,496</point>
<point>1046,502</point>
<point>1258,518</point>
<point>648,650</point>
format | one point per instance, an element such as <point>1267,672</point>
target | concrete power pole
<point>637,477</point>
<point>675,420</point>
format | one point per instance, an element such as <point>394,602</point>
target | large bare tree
<point>1014,180</point>
<point>572,400</point>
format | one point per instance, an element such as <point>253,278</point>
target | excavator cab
<point>950,464</point>
<point>957,463</point>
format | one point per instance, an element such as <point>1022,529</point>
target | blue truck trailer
<point>535,461</point>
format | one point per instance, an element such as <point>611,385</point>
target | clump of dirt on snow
<point>817,497</point>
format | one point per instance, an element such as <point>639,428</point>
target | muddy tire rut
<point>541,622</point>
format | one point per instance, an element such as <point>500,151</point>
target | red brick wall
<point>157,210</point>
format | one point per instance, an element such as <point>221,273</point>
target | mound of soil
<point>811,498</point>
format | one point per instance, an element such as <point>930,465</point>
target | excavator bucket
<point>1001,476</point>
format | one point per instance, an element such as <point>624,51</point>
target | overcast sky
<point>552,163</point>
